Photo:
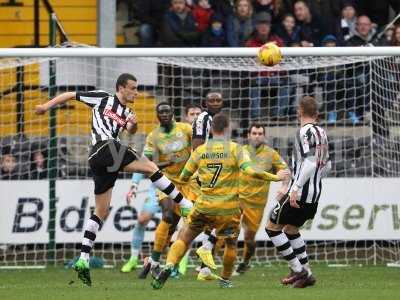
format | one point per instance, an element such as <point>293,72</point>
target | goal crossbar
<point>205,52</point>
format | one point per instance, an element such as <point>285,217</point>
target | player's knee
<point>149,168</point>
<point>249,236</point>
<point>273,227</point>
<point>290,229</point>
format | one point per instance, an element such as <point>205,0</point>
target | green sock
<point>155,255</point>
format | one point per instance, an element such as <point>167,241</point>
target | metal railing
<point>52,15</point>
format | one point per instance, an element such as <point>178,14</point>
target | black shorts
<point>284,214</point>
<point>106,160</point>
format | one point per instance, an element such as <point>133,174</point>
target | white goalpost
<point>47,188</point>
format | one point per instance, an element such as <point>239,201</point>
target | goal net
<point>47,191</point>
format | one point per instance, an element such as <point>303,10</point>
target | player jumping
<point>108,156</point>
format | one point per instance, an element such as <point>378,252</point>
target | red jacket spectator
<point>257,42</point>
<point>262,33</point>
<point>202,13</point>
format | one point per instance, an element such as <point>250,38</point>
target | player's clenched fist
<point>41,109</point>
<point>132,119</point>
<point>283,175</point>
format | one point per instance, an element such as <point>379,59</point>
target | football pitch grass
<point>260,283</point>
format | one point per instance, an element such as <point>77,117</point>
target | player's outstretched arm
<point>62,98</point>
<point>280,176</point>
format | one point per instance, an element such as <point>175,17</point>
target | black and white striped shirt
<point>108,114</point>
<point>202,126</point>
<point>310,162</point>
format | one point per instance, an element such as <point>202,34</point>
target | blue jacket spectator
<point>215,36</point>
<point>239,26</point>
<point>179,27</point>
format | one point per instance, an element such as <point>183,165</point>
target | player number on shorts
<point>217,168</point>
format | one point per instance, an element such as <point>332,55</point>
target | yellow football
<point>269,54</point>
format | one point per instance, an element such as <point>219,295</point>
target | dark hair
<point>309,106</point>
<point>256,125</point>
<point>123,80</point>
<point>5,150</point>
<point>289,14</point>
<point>191,105</point>
<point>302,1</point>
<point>162,103</point>
<point>219,123</point>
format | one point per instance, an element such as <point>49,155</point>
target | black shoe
<point>242,268</point>
<point>146,268</point>
<point>162,277</point>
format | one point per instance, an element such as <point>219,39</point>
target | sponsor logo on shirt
<point>112,115</point>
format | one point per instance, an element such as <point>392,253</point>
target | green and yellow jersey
<point>218,163</point>
<point>174,146</point>
<point>253,191</point>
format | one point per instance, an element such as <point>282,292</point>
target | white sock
<point>89,236</point>
<point>207,245</point>
<point>205,271</point>
<point>281,242</point>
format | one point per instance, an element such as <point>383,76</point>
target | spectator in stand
<point>395,40</point>
<point>288,31</point>
<point>328,9</point>
<point>273,7</point>
<point>387,40</point>
<point>8,165</point>
<point>239,26</point>
<point>378,10</point>
<point>329,41</point>
<point>202,13</point>
<point>215,36</point>
<point>262,35</point>
<point>179,27</point>
<point>346,26</point>
<point>331,79</point>
<point>358,76</point>
<point>150,15</point>
<point>364,34</point>
<point>38,164</point>
<point>312,27</point>
<point>264,6</point>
